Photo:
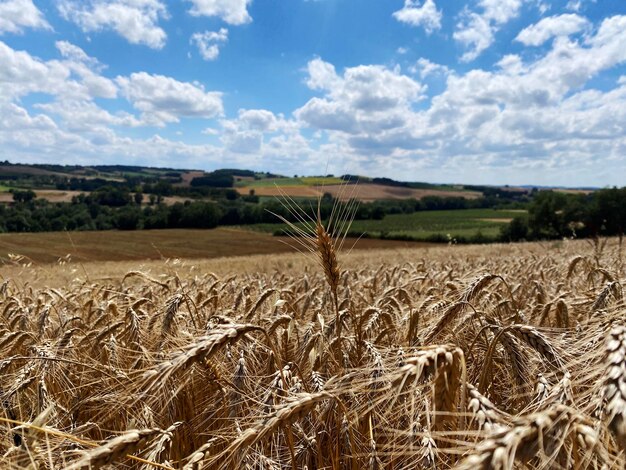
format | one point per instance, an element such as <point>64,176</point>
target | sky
<point>483,91</point>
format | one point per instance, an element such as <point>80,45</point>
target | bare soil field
<point>51,195</point>
<point>361,192</point>
<point>187,176</point>
<point>158,244</point>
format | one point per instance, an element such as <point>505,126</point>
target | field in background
<point>296,181</point>
<point>362,191</point>
<point>425,224</point>
<point>155,244</point>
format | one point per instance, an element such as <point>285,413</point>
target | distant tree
<point>23,196</point>
<point>610,211</point>
<point>546,216</point>
<point>200,215</point>
<point>128,218</point>
<point>214,180</point>
<point>111,196</point>
<point>138,197</point>
<point>515,231</point>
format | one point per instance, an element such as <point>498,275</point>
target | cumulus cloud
<point>75,77</point>
<point>209,43</point>
<point>425,68</point>
<point>86,116</point>
<point>574,5</point>
<point>135,20</point>
<point>476,30</point>
<point>16,15</point>
<point>257,131</point>
<point>36,138</point>
<point>163,99</point>
<point>233,12</point>
<point>425,15</point>
<point>553,26</point>
<point>73,52</point>
<point>258,119</point>
<point>365,98</point>
<point>520,122</point>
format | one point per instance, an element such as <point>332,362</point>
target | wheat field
<point>500,356</point>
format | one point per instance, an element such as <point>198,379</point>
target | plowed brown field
<point>362,192</point>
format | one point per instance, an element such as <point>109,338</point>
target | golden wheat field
<point>501,356</point>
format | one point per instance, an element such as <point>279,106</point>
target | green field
<point>423,226</point>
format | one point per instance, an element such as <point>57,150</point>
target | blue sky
<point>483,91</point>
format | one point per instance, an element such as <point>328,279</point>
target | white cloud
<point>15,15</point>
<point>163,99</point>
<point>425,15</point>
<point>73,52</point>
<point>209,43</point>
<point>36,139</point>
<point>76,78</point>
<point>476,31</point>
<point>425,67</point>
<point>258,131</point>
<point>258,119</point>
<point>69,126</point>
<point>233,12</point>
<point>321,75</point>
<point>135,20</point>
<point>366,99</point>
<point>86,116</point>
<point>574,5</point>
<point>553,26</point>
<point>521,122</point>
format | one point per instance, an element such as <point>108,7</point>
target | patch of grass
<point>316,181</point>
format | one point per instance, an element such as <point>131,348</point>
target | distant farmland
<point>362,191</point>
<point>155,244</point>
<point>425,224</point>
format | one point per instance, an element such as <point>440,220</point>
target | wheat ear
<point>615,384</point>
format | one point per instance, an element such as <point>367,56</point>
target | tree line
<point>549,215</point>
<point>553,214</point>
<point>116,207</point>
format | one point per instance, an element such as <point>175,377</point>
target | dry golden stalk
<point>171,308</point>
<point>202,349</point>
<point>262,298</point>
<point>146,277</point>
<point>540,436</point>
<point>538,342</point>
<point>283,416</point>
<point>485,413</point>
<point>446,364</point>
<point>542,388</point>
<point>562,314</point>
<point>328,257</point>
<point>160,446</point>
<point>615,384</point>
<point>114,449</point>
